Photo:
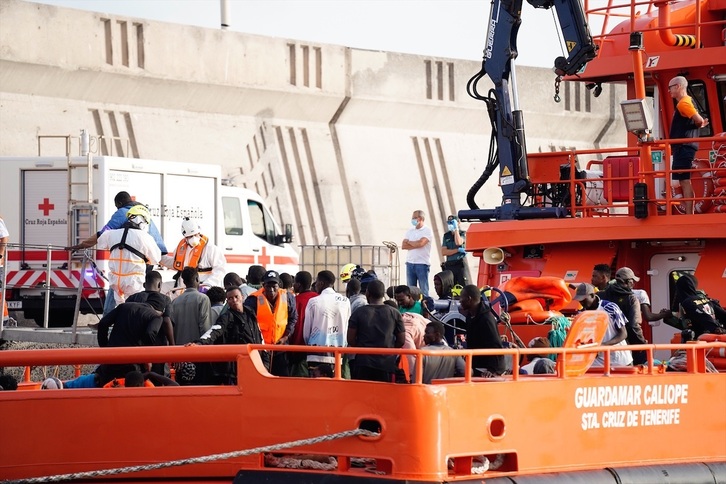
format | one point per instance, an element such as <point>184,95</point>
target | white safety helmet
<point>190,227</point>
<point>51,383</point>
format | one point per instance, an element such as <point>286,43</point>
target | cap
<point>272,276</point>
<point>626,273</point>
<point>584,290</point>
<point>51,383</point>
<point>368,277</point>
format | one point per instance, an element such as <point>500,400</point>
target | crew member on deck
<point>195,250</point>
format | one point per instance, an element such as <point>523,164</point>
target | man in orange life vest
<point>195,250</point>
<point>276,316</point>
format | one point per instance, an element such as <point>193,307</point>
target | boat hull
<point>524,425</point>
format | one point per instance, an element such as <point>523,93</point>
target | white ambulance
<point>49,203</point>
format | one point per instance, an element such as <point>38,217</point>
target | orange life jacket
<point>121,382</point>
<point>272,322</point>
<point>181,252</point>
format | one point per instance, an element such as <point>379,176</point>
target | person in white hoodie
<point>326,324</point>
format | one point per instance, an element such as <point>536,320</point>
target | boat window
<point>697,91</point>
<point>721,90</point>
<point>232,216</point>
<point>262,224</point>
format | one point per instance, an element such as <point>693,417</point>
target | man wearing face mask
<point>452,247</point>
<point>417,242</point>
<point>195,250</point>
<point>131,249</point>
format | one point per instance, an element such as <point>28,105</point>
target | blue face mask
<point>414,222</point>
<point>452,227</point>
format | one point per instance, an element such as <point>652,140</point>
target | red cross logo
<point>46,207</point>
<point>264,259</point>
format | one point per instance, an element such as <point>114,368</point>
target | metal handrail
<point>47,286</point>
<point>696,353</point>
<point>70,139</point>
<point>646,173</point>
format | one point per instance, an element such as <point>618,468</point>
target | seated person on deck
<point>538,364</point>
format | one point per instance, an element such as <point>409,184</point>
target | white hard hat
<point>51,383</point>
<point>190,227</point>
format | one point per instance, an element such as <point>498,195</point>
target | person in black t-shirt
<point>481,331</point>
<point>131,324</point>
<point>376,325</point>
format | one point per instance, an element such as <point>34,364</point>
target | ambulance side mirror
<point>285,238</point>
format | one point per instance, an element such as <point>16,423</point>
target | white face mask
<point>140,222</point>
<point>194,240</point>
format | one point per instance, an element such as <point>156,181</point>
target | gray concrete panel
<point>342,143</point>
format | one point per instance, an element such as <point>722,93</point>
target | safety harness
<point>133,250</point>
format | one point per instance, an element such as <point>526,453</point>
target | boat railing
<point>603,15</point>
<point>245,355</point>
<point>81,281</point>
<point>603,182</point>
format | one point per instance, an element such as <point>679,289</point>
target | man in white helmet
<point>195,250</point>
<point>131,249</point>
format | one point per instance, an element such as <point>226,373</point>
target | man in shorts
<point>686,123</point>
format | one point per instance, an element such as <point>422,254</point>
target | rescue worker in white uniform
<point>132,248</point>
<point>195,250</point>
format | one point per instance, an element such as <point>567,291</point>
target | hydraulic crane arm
<point>506,117</point>
<point>575,33</point>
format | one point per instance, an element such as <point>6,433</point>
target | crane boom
<point>508,134</point>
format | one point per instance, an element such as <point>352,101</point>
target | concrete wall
<point>343,143</point>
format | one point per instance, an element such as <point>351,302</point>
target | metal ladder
<point>82,207</point>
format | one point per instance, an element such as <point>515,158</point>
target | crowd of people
<point>277,309</point>
<point>692,311</point>
<point>267,307</point>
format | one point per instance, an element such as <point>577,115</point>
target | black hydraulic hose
<point>493,158</point>
<point>471,88</point>
<point>481,181</point>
